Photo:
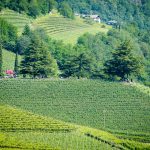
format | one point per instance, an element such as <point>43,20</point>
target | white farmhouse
<point>96,18</point>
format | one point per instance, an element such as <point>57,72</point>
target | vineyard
<point>18,20</point>
<point>118,108</point>
<point>68,30</point>
<point>24,130</point>
<point>56,26</point>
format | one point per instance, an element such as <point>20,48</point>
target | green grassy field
<point>118,108</point>
<point>9,60</point>
<point>55,25</point>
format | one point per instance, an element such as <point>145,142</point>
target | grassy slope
<point>115,107</point>
<point>9,60</point>
<point>24,130</point>
<point>18,20</point>
<point>56,26</point>
<point>65,29</point>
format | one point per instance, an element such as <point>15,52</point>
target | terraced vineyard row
<point>18,20</point>
<point>60,24</point>
<point>65,29</point>
<point>56,26</point>
<point>15,120</point>
<point>23,130</point>
<point>114,107</point>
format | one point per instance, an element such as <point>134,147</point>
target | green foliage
<point>30,7</point>
<point>66,10</point>
<point>16,65</point>
<point>33,8</point>
<point>1,59</point>
<point>37,60</point>
<point>122,11</point>
<point>26,30</point>
<point>8,35</point>
<point>22,44</point>
<point>51,4</point>
<point>77,66</point>
<point>100,47</point>
<point>123,62</point>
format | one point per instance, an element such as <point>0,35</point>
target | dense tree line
<point>36,7</point>
<point>103,49</point>
<point>128,11</point>
<point>37,60</point>
<point>31,7</point>
<point>125,12</point>
<point>89,58</point>
<point>8,35</point>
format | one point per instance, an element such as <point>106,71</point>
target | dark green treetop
<point>123,62</point>
<point>37,60</point>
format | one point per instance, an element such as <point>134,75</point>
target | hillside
<point>18,20</point>
<point>25,130</point>
<point>68,30</point>
<point>125,12</point>
<point>55,25</point>
<point>115,107</point>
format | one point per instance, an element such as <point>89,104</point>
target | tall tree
<point>66,10</point>
<point>16,65</point>
<point>37,60</point>
<point>123,62</point>
<point>79,66</point>
<point>51,4</point>
<point>26,30</point>
<point>1,59</point>
<point>8,35</point>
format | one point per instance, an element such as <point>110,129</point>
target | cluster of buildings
<point>96,18</point>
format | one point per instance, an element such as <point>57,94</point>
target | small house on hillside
<point>96,18</point>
